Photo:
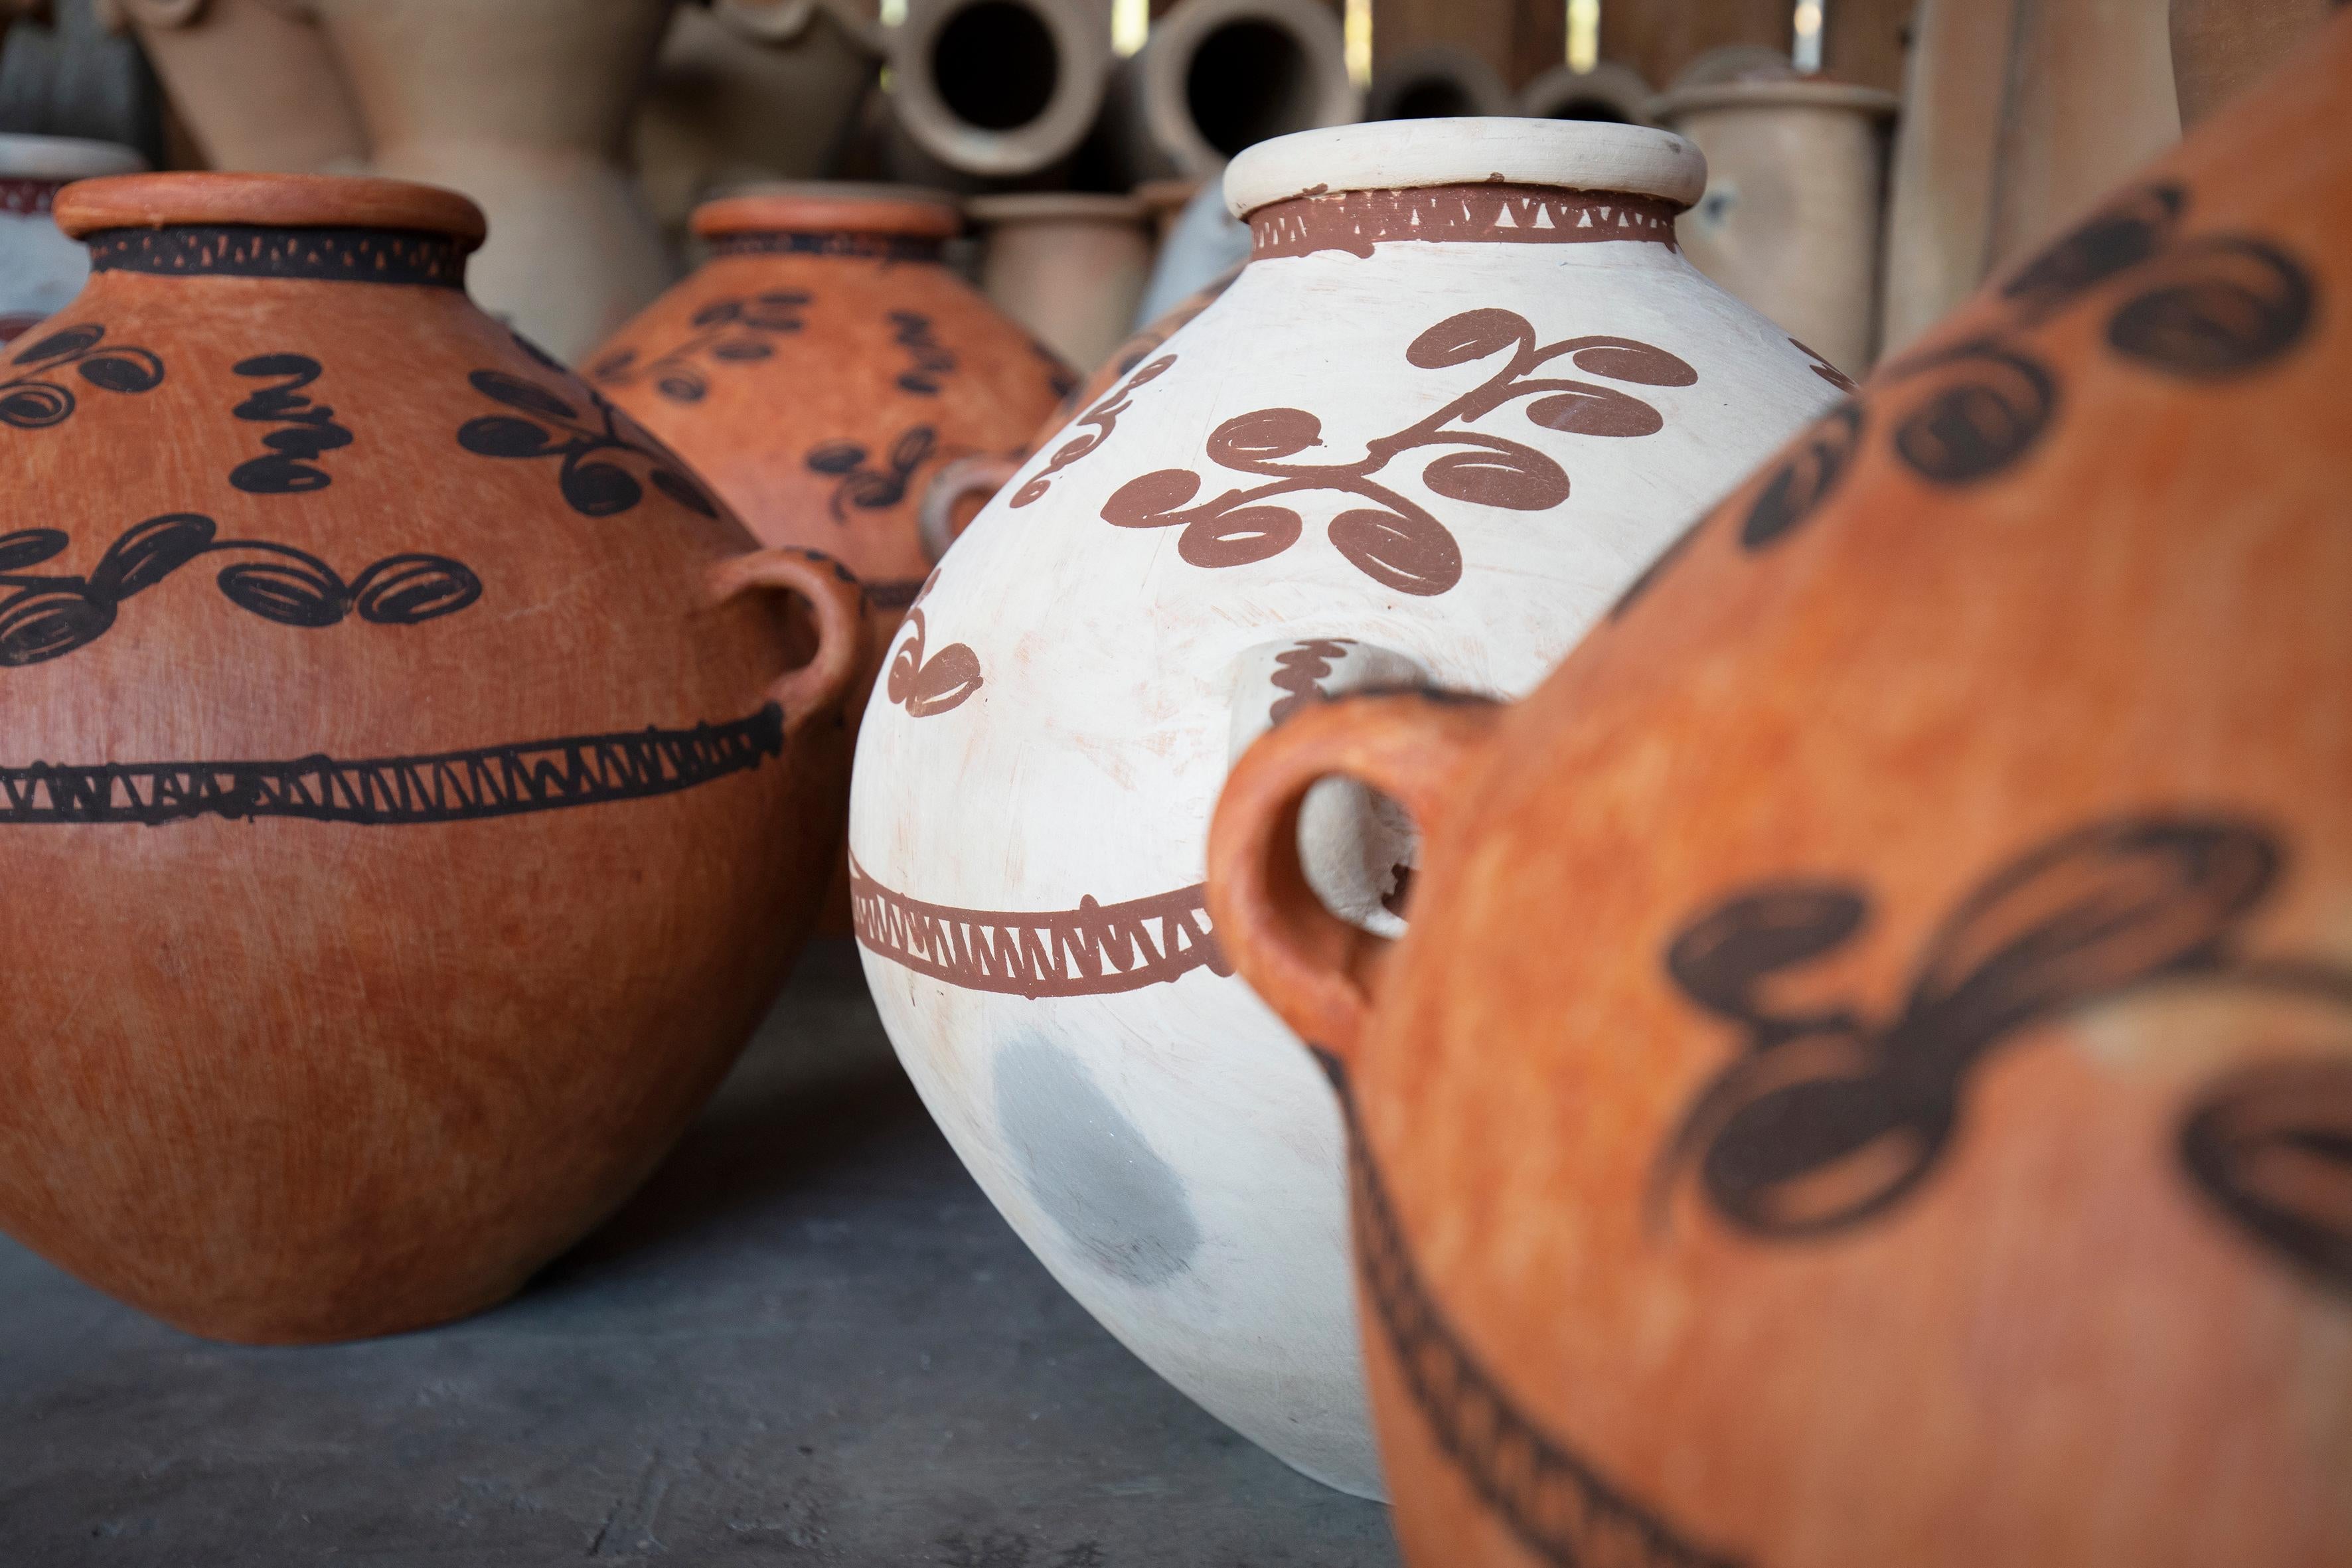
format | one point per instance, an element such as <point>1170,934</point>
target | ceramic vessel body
<point>2220,46</point>
<point>1868,1076</point>
<point>1791,215</point>
<point>1027,861</point>
<point>819,378</point>
<point>254,80</point>
<point>525,106</point>
<point>40,268</point>
<point>1070,267</point>
<point>408,841</point>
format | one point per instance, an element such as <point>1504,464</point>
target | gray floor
<point>810,1339</point>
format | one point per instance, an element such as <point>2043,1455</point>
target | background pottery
<point>1204,243</point>
<point>1217,75</point>
<point>409,818</point>
<point>822,367</point>
<point>1608,91</point>
<point>254,81</point>
<point>524,106</point>
<point>996,88</point>
<point>2220,45</point>
<point>1436,81</point>
<point>1791,216</point>
<point>1068,266</point>
<point>1869,1077</point>
<point>750,90</point>
<point>40,268</point>
<point>1027,839</point>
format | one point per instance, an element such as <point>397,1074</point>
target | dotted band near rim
<point>877,247</point>
<point>242,250</point>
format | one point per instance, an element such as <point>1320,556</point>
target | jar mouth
<point>349,204</point>
<point>885,211</point>
<point>1587,156</point>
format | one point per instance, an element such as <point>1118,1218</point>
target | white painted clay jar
<point>40,270</point>
<point>1476,413</point>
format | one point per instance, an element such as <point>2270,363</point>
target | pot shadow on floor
<point>817,1092</point>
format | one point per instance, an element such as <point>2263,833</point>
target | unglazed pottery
<point>1216,76</point>
<point>1069,266</point>
<point>998,88</point>
<point>1608,91</point>
<point>254,81</point>
<point>1791,215</point>
<point>1868,1079</point>
<point>822,367</point>
<point>397,787</point>
<point>1436,425</point>
<point>2220,45</point>
<point>525,106</point>
<point>750,90</point>
<point>40,268</point>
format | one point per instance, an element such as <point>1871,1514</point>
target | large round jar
<point>1869,1080</point>
<point>404,822</point>
<point>823,365</point>
<point>1464,391</point>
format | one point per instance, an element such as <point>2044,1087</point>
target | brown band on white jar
<point>1355,221</point>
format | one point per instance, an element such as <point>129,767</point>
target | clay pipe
<point>999,89</point>
<point>1439,81</point>
<point>1217,75</point>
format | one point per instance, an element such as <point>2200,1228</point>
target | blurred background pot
<point>1608,91</point>
<point>1069,266</point>
<point>398,783</point>
<point>1217,75</point>
<point>822,367</point>
<point>525,106</point>
<point>1201,244</point>
<point>40,268</point>
<point>747,91</point>
<point>2220,45</point>
<point>1791,216</point>
<point>996,88</point>
<point>1433,82</point>
<point>1354,467</point>
<point>1869,1075</point>
<point>254,81</point>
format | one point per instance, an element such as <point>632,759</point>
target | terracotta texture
<point>1791,217</point>
<point>1868,1078</point>
<point>526,107</point>
<point>2220,47</point>
<point>1374,459</point>
<point>254,81</point>
<point>822,367</point>
<point>398,784</point>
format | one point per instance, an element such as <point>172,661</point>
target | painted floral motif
<point>726,331</point>
<point>547,425</point>
<point>1100,421</point>
<point>932,359</point>
<point>308,431</point>
<point>1395,541</point>
<point>47,617</point>
<point>863,484</point>
<point>37,396</point>
<point>926,687</point>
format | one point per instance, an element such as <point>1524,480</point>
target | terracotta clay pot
<point>1438,81</point>
<point>1068,266</point>
<point>822,367</point>
<point>398,785</point>
<point>1609,91</point>
<point>998,88</point>
<point>1217,75</point>
<point>40,268</point>
<point>750,90</point>
<point>1356,466</point>
<point>525,106</point>
<point>254,81</point>
<point>2220,45</point>
<point>1791,216</point>
<point>1869,1075</point>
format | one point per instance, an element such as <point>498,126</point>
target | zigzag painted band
<point>1355,221</point>
<point>1561,1508</point>
<point>1092,950</point>
<point>446,786</point>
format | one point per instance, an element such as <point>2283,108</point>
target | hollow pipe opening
<point>1249,81</point>
<point>996,65</point>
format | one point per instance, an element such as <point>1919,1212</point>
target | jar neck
<point>850,243</point>
<point>316,255</point>
<point>1483,213</point>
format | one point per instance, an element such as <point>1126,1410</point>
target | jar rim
<point>816,207</point>
<point>1405,154</point>
<point>267,201</point>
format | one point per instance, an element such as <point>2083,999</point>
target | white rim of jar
<point>1400,154</point>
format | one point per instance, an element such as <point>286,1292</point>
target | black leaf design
<point>504,435</point>
<point>45,623</point>
<point>2219,308</point>
<point>293,593</point>
<point>123,370</point>
<point>149,551</point>
<point>599,490</point>
<point>515,392</point>
<point>835,457</point>
<point>71,340</point>
<point>34,405</point>
<point>681,489</point>
<point>30,547</point>
<point>402,590</point>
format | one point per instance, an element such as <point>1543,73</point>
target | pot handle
<point>839,603</point>
<point>982,475</point>
<point>1312,967</point>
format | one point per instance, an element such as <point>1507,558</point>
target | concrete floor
<point>809,1340</point>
